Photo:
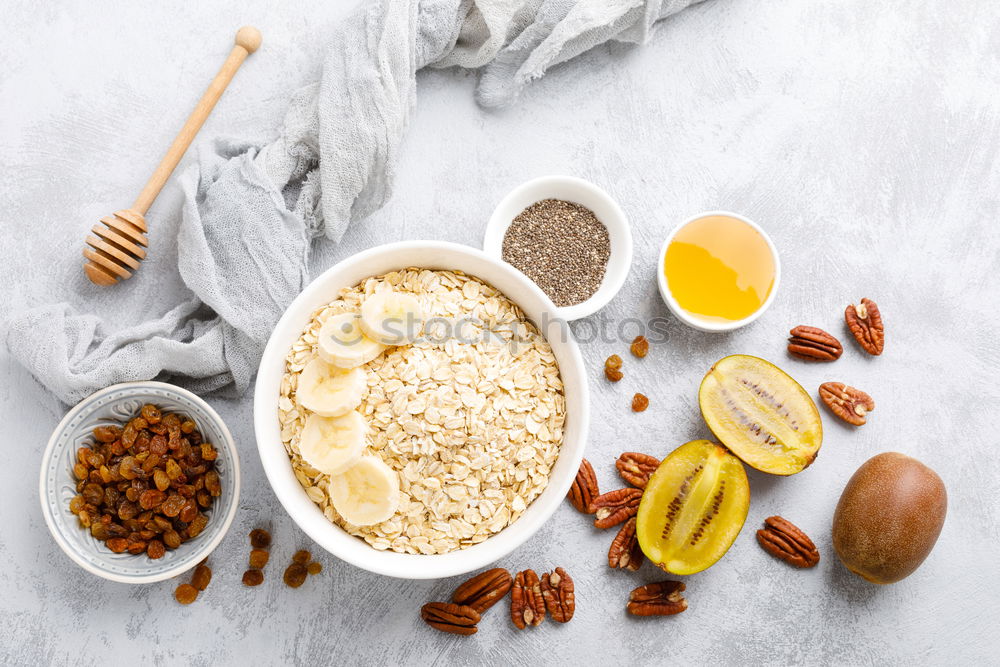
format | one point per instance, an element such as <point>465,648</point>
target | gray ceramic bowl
<point>57,485</point>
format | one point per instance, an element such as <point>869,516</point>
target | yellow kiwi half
<point>693,507</point>
<point>761,414</point>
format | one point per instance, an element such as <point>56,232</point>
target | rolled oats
<point>472,422</point>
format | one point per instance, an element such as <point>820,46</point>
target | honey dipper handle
<point>247,41</point>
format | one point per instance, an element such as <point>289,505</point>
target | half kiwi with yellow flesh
<point>693,507</point>
<point>761,414</point>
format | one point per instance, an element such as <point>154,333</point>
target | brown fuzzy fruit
<point>889,517</point>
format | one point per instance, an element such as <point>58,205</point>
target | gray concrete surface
<point>863,137</point>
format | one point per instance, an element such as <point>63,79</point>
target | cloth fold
<point>251,212</point>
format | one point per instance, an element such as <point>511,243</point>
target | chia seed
<point>562,247</point>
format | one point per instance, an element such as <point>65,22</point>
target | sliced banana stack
<point>344,344</point>
<point>330,391</point>
<point>333,444</point>
<point>366,493</point>
<point>391,318</point>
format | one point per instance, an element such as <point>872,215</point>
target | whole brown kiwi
<point>889,517</point>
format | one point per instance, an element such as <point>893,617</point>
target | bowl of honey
<point>718,271</point>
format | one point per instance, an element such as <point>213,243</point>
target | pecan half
<point>865,322</point>
<point>850,404</point>
<point>484,590</point>
<point>636,468</point>
<point>813,344</point>
<point>780,538</point>
<point>456,619</point>
<point>625,550</point>
<point>557,592</point>
<point>662,598</point>
<point>584,488</point>
<point>527,607</point>
<point>614,507</point>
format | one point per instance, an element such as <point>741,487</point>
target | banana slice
<point>343,343</point>
<point>392,318</point>
<point>333,444</point>
<point>330,391</point>
<point>366,493</point>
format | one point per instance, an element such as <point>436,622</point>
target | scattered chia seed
<point>562,247</point>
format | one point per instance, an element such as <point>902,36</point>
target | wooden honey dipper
<point>119,243</point>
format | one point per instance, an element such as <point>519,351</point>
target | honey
<point>719,269</point>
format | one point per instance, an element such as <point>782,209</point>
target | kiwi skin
<point>889,517</point>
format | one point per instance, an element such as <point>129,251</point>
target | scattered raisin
<point>639,347</point>
<point>201,577</point>
<point>295,575</point>
<point>260,538</point>
<point>314,567</point>
<point>259,558</point>
<point>186,593</point>
<point>253,577</point>
<point>301,557</point>
<point>639,403</point>
<point>612,368</point>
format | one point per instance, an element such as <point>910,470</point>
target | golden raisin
<point>155,549</point>
<point>612,368</point>
<point>201,577</point>
<point>314,568</point>
<point>639,403</point>
<point>212,484</point>
<point>639,347</point>
<point>253,577</point>
<point>295,575</point>
<point>259,558</point>
<point>161,480</point>
<point>150,413</point>
<point>117,544</point>
<point>197,525</point>
<point>107,433</point>
<point>301,557</point>
<point>260,538</point>
<point>186,593</point>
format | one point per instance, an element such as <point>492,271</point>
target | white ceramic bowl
<point>584,193</point>
<point>325,288</point>
<point>692,320</point>
<point>57,485</point>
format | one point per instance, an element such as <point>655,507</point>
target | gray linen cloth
<point>250,212</point>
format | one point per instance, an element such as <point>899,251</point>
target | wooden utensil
<point>119,243</point>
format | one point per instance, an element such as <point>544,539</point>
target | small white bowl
<point>325,288</point>
<point>57,485</point>
<point>692,320</point>
<point>584,193</point>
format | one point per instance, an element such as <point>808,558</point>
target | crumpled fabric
<point>251,212</point>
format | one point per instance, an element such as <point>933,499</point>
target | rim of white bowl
<point>329,536</point>
<point>579,191</point>
<point>692,320</point>
<point>203,549</point>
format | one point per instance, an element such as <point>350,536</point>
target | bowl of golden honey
<point>718,271</point>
